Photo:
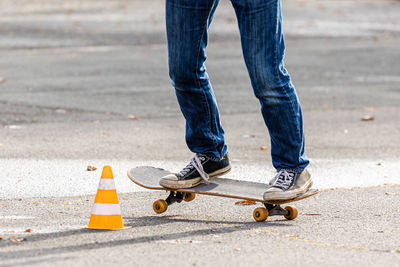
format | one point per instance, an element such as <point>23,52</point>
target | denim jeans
<point>260,25</point>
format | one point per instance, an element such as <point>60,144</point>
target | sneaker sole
<point>286,196</point>
<point>193,182</point>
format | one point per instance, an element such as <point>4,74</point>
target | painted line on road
<point>295,237</point>
<point>25,178</point>
<point>320,243</point>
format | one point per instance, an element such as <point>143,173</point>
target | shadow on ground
<point>134,223</point>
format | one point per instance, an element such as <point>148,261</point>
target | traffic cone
<point>106,211</point>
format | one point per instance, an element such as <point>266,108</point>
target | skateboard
<point>149,177</point>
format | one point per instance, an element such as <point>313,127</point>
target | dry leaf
<point>36,203</point>
<point>379,164</point>
<point>91,168</point>
<point>311,214</point>
<point>245,202</point>
<point>391,194</point>
<point>263,148</point>
<point>15,239</point>
<point>133,117</point>
<point>2,80</point>
<point>28,230</point>
<point>61,111</point>
<point>368,118</point>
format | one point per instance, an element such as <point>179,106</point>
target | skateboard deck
<point>149,177</point>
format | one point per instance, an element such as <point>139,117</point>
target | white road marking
<point>23,178</point>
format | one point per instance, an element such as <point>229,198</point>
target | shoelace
<point>196,163</point>
<point>283,179</point>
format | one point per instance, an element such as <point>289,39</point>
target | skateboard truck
<point>161,205</point>
<point>276,210</point>
<point>175,197</point>
<point>261,214</point>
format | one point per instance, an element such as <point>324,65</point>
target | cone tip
<point>107,172</point>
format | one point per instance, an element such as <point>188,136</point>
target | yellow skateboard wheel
<point>260,214</point>
<point>189,197</point>
<point>160,206</point>
<point>293,212</point>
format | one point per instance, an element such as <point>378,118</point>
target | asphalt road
<point>343,227</point>
<point>74,73</point>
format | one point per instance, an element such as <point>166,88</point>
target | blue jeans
<point>260,25</point>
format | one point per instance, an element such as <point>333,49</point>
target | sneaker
<point>200,169</point>
<point>288,185</point>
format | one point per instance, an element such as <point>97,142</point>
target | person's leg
<point>260,24</point>
<point>187,34</point>
<point>187,27</point>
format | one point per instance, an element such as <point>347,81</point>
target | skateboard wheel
<point>260,214</point>
<point>189,197</point>
<point>293,212</point>
<point>160,206</point>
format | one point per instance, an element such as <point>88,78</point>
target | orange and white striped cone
<point>106,211</point>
